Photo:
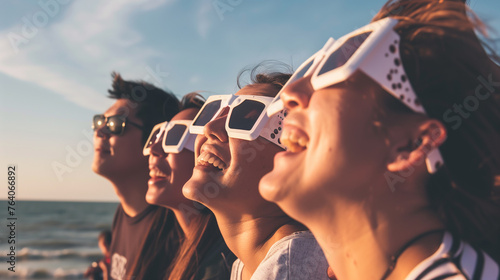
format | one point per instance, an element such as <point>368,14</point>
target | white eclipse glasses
<point>247,118</point>
<point>372,49</point>
<point>174,137</point>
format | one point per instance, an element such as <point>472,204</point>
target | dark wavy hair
<point>154,105</point>
<point>448,65</point>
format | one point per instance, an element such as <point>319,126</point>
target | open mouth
<point>103,152</point>
<point>157,174</point>
<point>102,149</point>
<point>209,159</point>
<point>295,140</point>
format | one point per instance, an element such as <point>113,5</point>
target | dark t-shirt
<point>127,235</point>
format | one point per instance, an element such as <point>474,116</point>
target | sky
<point>56,59</point>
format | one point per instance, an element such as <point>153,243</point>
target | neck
<point>359,245</point>
<point>184,219</point>
<point>250,237</point>
<point>131,190</point>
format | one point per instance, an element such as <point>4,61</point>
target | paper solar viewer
<point>246,119</point>
<point>372,49</point>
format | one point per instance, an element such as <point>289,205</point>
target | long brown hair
<point>195,247</point>
<point>165,239</point>
<point>205,231</point>
<point>451,69</point>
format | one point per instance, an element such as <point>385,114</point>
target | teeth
<point>206,158</point>
<point>293,141</point>
<point>157,173</point>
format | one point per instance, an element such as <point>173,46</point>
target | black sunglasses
<point>115,124</point>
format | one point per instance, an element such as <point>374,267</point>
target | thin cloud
<point>205,17</point>
<point>195,79</point>
<point>87,39</point>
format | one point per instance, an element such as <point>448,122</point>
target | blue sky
<point>56,57</point>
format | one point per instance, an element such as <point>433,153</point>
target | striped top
<point>456,260</point>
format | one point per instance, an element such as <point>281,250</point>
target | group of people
<point>378,158</point>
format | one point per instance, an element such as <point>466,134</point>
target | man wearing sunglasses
<point>119,136</point>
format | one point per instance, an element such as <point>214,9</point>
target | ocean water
<point>54,240</point>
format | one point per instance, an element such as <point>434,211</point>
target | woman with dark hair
<point>234,150</point>
<point>187,232</point>
<point>393,145</point>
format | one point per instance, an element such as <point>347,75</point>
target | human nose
<point>102,131</point>
<point>297,94</point>
<point>216,129</point>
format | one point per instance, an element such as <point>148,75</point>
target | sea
<point>53,239</point>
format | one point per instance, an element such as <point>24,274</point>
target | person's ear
<point>412,151</point>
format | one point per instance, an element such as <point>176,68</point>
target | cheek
<point>130,143</point>
<point>182,165</point>
<point>325,139</point>
<point>335,136</point>
<point>255,156</point>
<point>200,140</point>
<point>347,158</point>
<point>118,147</point>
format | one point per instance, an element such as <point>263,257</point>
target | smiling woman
<point>390,188</point>
<point>234,150</point>
<point>190,236</point>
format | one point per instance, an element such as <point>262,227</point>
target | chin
<point>193,190</point>
<point>189,190</point>
<point>270,189</point>
<point>157,193</point>
<point>151,196</point>
<point>96,167</point>
<point>103,168</point>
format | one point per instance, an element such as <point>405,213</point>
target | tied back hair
<point>266,72</point>
<point>446,63</point>
<point>192,100</point>
<point>194,250</point>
